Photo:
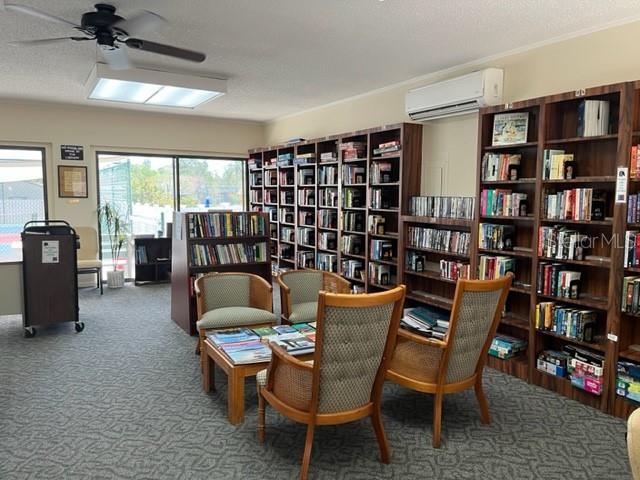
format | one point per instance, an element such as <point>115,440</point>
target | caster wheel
<point>79,326</point>
<point>30,332</point>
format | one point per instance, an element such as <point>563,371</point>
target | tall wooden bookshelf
<point>322,243</point>
<point>186,267</point>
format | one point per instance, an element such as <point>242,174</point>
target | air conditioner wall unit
<point>456,96</point>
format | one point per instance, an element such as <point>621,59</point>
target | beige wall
<point>50,125</point>
<point>599,58</point>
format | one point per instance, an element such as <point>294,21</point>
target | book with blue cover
<point>231,335</point>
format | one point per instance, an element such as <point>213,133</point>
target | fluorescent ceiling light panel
<point>152,87</point>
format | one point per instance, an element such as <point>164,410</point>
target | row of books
<point>351,244</point>
<point>271,196</point>
<point>203,255</point>
<point>271,178</point>
<point>286,178</point>
<point>352,269</point>
<point>505,346</point>
<point>427,321</point>
<point>503,202</point>
<point>383,198</point>
<point>307,236</point>
<point>565,321</point>
<point>255,196</point>
<point>593,118</point>
<point>630,302</point>
<point>557,165</point>
<point>633,209</point>
<point>574,204</point>
<point>305,159</point>
<point>328,218</point>
<point>328,175</point>
<point>327,262</point>
<point>491,267</point>
<point>435,239</point>
<point>244,345</point>
<point>328,197</point>
<point>287,234</point>
<point>561,242</point>
<point>254,163</point>
<point>353,150</point>
<point>499,166</point>
<point>584,368</point>
<point>634,164</point>
<point>306,176</point>
<point>306,259</point>
<point>628,380</point>
<point>285,159</point>
<point>496,237</point>
<point>255,179</point>
<point>442,207</point>
<point>203,225</point>
<point>380,274</point>
<point>352,198</point>
<point>453,270</point>
<point>327,240</point>
<point>554,280</point>
<point>285,251</point>
<point>376,224</point>
<point>387,147</point>
<point>307,197</point>
<point>286,215</point>
<point>287,197</point>
<point>353,221</point>
<point>381,172</point>
<point>381,249</point>
<point>141,254</point>
<point>631,248</point>
<point>353,174</point>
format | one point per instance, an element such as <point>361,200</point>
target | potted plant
<point>110,217</point>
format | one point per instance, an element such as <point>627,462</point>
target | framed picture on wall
<point>72,182</point>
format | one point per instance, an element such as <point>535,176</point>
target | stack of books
<point>505,346</point>
<point>353,150</point>
<point>328,157</point>
<point>305,158</point>
<point>285,159</point>
<point>387,148</point>
<point>426,321</point>
<point>628,380</point>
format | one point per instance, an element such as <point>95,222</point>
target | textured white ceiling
<point>284,56</point>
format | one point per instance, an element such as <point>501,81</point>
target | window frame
<point>43,151</point>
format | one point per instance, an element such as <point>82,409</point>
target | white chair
<point>88,253</point>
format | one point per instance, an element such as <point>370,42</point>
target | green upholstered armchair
<point>232,300</point>
<point>355,337</point>
<point>455,364</point>
<point>299,292</point>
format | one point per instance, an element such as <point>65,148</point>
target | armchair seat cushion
<point>303,312</point>
<point>89,264</point>
<point>234,317</point>
<point>416,361</point>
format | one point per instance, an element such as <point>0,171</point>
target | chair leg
<point>437,419</point>
<point>261,416</point>
<point>306,458</point>
<point>198,346</point>
<point>100,280</point>
<point>485,417</point>
<point>376,419</point>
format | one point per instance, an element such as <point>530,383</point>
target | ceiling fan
<point>111,32</point>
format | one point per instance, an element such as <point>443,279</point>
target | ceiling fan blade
<point>117,58</point>
<point>34,12</point>
<point>154,47</point>
<point>141,22</point>
<point>45,41</point>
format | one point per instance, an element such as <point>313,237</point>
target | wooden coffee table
<point>235,375</point>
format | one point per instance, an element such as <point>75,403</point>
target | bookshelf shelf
<point>515,321</point>
<point>585,263</point>
<point>431,299</point>
<point>602,223</point>
<point>597,138</point>
<point>520,181</point>
<point>583,301</point>
<point>504,217</point>
<point>593,346</point>
<point>521,289</point>
<point>438,252</point>
<point>603,179</point>
<point>429,274</point>
<point>490,148</point>
<point>452,222</point>
<point>378,285</point>
<point>393,262</point>
<point>506,253</point>
<point>388,236</point>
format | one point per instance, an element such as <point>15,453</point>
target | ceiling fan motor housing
<point>100,23</point>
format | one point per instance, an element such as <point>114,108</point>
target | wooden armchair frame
<point>260,296</point>
<point>331,283</point>
<point>311,417</point>
<point>441,387</point>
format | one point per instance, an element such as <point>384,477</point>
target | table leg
<point>235,400</point>
<point>208,372</point>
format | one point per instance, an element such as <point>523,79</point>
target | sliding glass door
<point>146,189</point>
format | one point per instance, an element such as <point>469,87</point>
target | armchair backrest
<point>88,243</point>
<point>477,307</point>
<point>304,285</point>
<point>219,290</point>
<point>354,340</point>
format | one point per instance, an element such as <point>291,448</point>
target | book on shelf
<point>554,280</point>
<point>286,215</point>
<point>593,118</point>
<point>287,198</point>
<point>254,163</point>
<point>328,197</point>
<point>306,236</point>
<point>141,254</point>
<point>352,269</point>
<point>306,217</point>
<point>381,249</point>
<point>437,239</point>
<point>376,224</point>
<point>328,157</point>
<point>553,362</point>
<point>327,218</point>
<point>287,234</point>
<point>204,255</point>
<point>630,302</point>
<point>503,202</point>
<point>387,147</point>
<point>452,270</point>
<point>584,368</point>
<point>574,204</point>
<point>628,380</point>
<point>306,176</point>
<point>271,196</point>
<point>285,251</point>
<point>416,262</point>
<point>352,198</point>
<point>442,207</point>
<point>634,163</point>
<point>353,150</point>
<point>381,274</point>
<point>272,212</point>
<point>306,197</point>
<point>351,244</point>
<point>381,172</point>
<point>496,237</point>
<point>306,259</point>
<point>558,165</point>
<point>427,321</point>
<point>271,178</point>
<point>353,174</point>
<point>255,179</point>
<point>633,208</point>
<point>327,240</point>
<point>305,159</point>
<point>215,225</point>
<point>491,267</point>
<point>505,346</point>
<point>510,128</point>
<point>568,322</point>
<point>255,196</point>
<point>327,262</point>
<point>631,248</point>
<point>285,159</point>
<point>500,166</point>
<point>328,175</point>
<point>286,178</point>
<point>562,243</point>
<point>383,199</point>
<point>353,221</point>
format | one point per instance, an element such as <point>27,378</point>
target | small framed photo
<point>510,128</point>
<point>72,182</point>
